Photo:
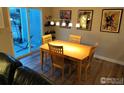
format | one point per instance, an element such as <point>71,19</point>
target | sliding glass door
<point>26,30</point>
<point>35,28</point>
<point>19,28</point>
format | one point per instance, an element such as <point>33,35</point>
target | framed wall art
<point>65,17</point>
<point>65,14</point>
<point>111,20</point>
<point>85,19</point>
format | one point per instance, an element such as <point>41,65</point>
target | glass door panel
<point>19,28</point>
<point>35,28</point>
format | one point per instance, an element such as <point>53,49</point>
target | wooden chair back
<point>57,56</point>
<point>75,38</point>
<point>46,38</point>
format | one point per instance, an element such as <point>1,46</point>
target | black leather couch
<point>26,76</point>
<point>8,66</point>
<point>13,72</point>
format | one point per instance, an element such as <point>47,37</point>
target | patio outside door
<point>26,30</point>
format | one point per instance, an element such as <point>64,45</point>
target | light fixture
<point>77,25</point>
<point>52,23</point>
<point>63,23</point>
<point>88,19</point>
<point>70,25</point>
<point>58,23</point>
<point>66,23</point>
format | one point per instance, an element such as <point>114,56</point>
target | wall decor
<point>1,19</point>
<point>111,19</point>
<point>85,19</point>
<point>65,17</point>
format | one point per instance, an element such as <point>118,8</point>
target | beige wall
<point>5,35</point>
<point>46,11</point>
<point>111,45</point>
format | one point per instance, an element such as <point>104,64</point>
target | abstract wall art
<point>111,19</point>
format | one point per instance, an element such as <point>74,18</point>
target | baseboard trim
<point>109,59</point>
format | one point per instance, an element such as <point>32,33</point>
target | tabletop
<point>72,50</point>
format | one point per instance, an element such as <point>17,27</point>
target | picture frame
<point>1,19</point>
<point>65,16</point>
<point>85,18</point>
<point>111,20</point>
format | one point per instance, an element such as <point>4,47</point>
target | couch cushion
<point>8,66</point>
<point>26,76</point>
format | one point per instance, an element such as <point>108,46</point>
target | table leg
<point>79,71</point>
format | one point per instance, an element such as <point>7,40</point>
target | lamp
<point>58,23</point>
<point>52,23</point>
<point>63,23</point>
<point>66,22</point>
<point>70,25</point>
<point>77,25</point>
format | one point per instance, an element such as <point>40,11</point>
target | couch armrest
<point>27,76</point>
<point>8,66</point>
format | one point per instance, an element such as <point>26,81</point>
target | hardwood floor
<point>100,70</point>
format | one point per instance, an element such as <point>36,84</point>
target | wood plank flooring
<point>99,69</point>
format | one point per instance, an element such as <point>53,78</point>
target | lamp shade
<point>57,23</point>
<point>63,24</point>
<point>70,25</point>
<point>51,23</point>
<point>77,25</point>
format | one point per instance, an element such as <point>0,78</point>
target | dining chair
<point>75,38</point>
<point>87,62</point>
<point>57,58</point>
<point>45,40</point>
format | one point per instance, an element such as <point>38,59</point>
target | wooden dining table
<point>72,51</point>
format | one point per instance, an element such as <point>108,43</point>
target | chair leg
<point>69,69</point>
<point>86,74</point>
<point>62,74</point>
<point>51,71</point>
<point>46,56</point>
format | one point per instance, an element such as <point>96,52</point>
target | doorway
<point>26,30</point>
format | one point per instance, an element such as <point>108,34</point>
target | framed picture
<point>65,14</point>
<point>111,19</point>
<point>85,19</point>
<point>1,19</point>
<point>65,17</point>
